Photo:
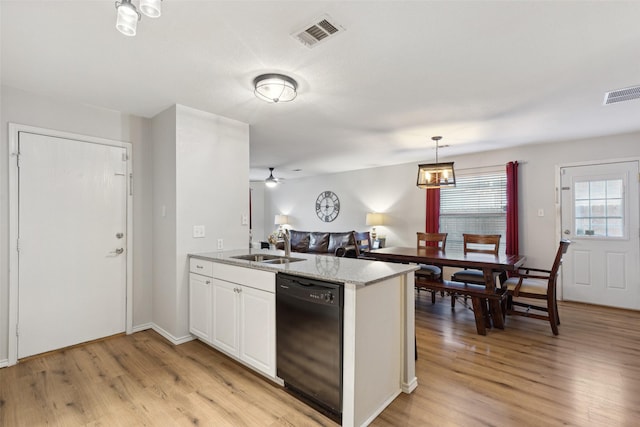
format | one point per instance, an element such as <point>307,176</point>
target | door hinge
<point>125,157</point>
<point>18,245</point>
<point>17,330</point>
<point>131,184</point>
<point>18,160</point>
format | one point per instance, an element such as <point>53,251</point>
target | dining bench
<point>479,296</point>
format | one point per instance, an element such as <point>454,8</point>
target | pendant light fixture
<point>128,14</point>
<point>275,88</point>
<point>436,175</point>
<point>271,181</point>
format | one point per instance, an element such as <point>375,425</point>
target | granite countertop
<point>323,267</point>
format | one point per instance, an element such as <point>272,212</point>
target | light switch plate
<point>198,231</point>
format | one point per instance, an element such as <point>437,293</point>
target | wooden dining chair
<point>430,272</point>
<point>363,243</point>
<point>535,283</point>
<point>478,243</point>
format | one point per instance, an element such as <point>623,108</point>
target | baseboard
<point>173,340</point>
<point>4,363</point>
<point>410,386</point>
<point>143,327</point>
<point>381,408</point>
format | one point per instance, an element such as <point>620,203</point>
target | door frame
<point>558,200</point>
<point>14,130</point>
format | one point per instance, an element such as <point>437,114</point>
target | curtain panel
<point>512,208</point>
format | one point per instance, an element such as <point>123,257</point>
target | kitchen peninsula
<point>378,359</point>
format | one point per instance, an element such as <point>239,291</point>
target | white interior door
<point>599,210</point>
<point>72,242</point>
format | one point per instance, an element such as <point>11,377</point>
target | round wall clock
<point>327,206</point>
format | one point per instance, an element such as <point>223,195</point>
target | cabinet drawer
<point>200,266</point>
<point>258,279</point>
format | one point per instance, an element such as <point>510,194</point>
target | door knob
<point>567,232</point>
<point>117,251</point>
<point>119,235</point>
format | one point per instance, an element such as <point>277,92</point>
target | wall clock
<point>327,206</point>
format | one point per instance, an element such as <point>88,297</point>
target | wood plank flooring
<point>589,375</point>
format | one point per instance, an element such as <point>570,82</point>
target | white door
<point>599,211</point>
<point>72,219</point>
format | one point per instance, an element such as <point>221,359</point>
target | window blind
<point>478,205</point>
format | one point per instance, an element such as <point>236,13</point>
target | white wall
<point>25,108</point>
<point>164,218</point>
<point>201,177</point>
<point>392,190</point>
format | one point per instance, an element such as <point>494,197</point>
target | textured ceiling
<point>483,74</point>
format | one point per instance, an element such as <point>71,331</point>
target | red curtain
<point>432,223</point>
<point>512,208</point>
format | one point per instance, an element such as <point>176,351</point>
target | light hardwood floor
<point>589,375</point>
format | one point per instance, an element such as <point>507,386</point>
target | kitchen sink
<point>266,258</point>
<point>282,260</point>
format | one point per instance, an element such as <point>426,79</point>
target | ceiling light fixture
<point>128,15</point>
<point>275,88</point>
<point>271,181</point>
<point>436,175</point>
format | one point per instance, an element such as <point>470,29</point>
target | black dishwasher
<point>309,320</point>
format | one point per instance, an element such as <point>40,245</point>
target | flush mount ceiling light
<point>128,15</point>
<point>436,175</point>
<point>275,88</point>
<point>271,181</point>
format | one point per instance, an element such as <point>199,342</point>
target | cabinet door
<point>200,306</point>
<point>225,316</point>
<point>257,329</point>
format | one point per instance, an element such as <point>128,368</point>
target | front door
<point>599,211</point>
<point>72,229</point>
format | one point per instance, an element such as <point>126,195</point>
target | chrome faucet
<point>287,243</point>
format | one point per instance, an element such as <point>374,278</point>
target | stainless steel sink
<point>266,258</point>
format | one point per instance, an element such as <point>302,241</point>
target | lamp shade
<point>128,17</point>
<point>151,8</point>
<point>374,219</point>
<point>275,88</point>
<point>436,175</point>
<point>281,220</point>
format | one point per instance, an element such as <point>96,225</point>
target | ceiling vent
<point>319,31</point>
<point>620,95</point>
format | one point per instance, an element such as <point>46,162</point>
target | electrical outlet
<point>244,219</point>
<point>220,244</point>
<point>198,231</point>
<point>540,212</point>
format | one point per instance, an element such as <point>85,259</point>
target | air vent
<point>620,95</point>
<point>320,30</point>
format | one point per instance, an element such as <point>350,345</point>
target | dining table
<point>488,263</point>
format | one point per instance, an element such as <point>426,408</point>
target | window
<point>478,204</point>
<point>599,208</point>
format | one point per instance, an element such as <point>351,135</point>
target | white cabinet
<point>226,316</point>
<point>200,306</point>
<point>200,288</point>
<point>258,329</point>
<point>235,313</point>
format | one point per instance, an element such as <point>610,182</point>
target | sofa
<point>321,242</point>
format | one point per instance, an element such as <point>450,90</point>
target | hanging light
<point>436,175</point>
<point>151,8</point>
<point>275,88</point>
<point>271,181</point>
<point>128,17</point>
